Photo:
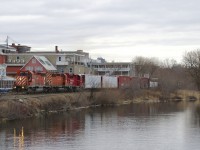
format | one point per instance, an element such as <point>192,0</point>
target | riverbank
<point>24,106</point>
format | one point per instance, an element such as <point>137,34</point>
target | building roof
<point>7,47</point>
<point>45,63</point>
<point>78,52</point>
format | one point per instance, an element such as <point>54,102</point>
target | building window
<point>38,68</point>
<point>124,66</point>
<point>33,61</point>
<point>62,70</point>
<point>30,68</point>
<point>2,72</point>
<point>17,57</point>
<point>59,58</point>
<point>70,70</point>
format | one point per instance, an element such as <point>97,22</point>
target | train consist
<point>49,82</point>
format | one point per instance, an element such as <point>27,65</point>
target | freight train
<point>52,82</point>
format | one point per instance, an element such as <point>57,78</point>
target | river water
<point>162,126</point>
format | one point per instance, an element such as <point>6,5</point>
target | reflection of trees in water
<point>50,127</point>
<point>147,109</point>
<point>196,116</point>
<point>69,124</point>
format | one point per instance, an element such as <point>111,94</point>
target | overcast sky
<point>116,30</point>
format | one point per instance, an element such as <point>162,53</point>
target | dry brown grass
<point>187,94</point>
<point>13,109</point>
<point>106,97</point>
<point>19,107</point>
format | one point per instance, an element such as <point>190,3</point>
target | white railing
<point>112,69</point>
<point>62,63</point>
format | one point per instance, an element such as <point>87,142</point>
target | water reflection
<point>24,133</point>
<point>18,140</point>
<point>151,109</point>
<point>159,126</point>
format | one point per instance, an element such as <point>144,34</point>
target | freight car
<point>47,82</point>
<point>92,81</point>
<point>113,82</point>
<point>98,82</point>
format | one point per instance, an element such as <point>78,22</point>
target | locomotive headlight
<point>14,87</point>
<point>22,87</point>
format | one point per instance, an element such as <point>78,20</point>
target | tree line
<point>171,75</point>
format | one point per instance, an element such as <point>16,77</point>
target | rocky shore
<point>15,106</point>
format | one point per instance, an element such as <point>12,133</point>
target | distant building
<point>4,49</point>
<point>72,62</point>
<point>6,83</point>
<point>3,70</point>
<point>65,61</point>
<point>102,60</point>
<point>77,62</point>
<point>114,68</point>
<point>7,49</point>
<point>13,65</point>
<point>39,64</point>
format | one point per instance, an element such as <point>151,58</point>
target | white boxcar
<point>92,81</point>
<point>109,82</point>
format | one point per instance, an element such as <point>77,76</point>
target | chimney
<point>56,49</point>
<point>13,45</point>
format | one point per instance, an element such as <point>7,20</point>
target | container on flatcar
<point>144,83</point>
<point>109,82</point>
<point>124,82</point>
<point>92,81</point>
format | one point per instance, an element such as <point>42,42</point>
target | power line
<point>9,38</point>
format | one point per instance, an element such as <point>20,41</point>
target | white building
<point>6,83</point>
<point>114,68</point>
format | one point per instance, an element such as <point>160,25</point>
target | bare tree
<point>169,63</point>
<point>172,77</point>
<point>169,81</point>
<point>191,61</point>
<point>144,65</point>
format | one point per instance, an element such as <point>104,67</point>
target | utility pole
<point>7,42</point>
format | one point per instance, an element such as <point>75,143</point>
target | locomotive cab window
<point>23,74</point>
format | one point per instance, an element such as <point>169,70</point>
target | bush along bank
<point>25,106</point>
